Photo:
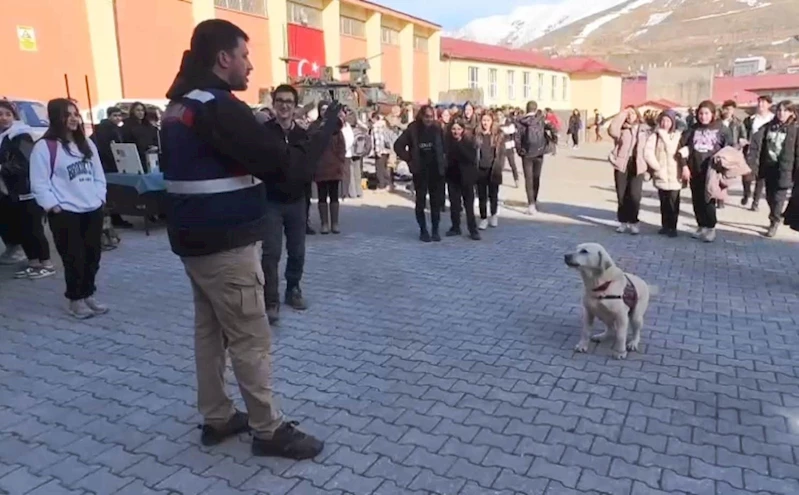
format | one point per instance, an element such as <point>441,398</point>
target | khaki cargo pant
<point>229,305</point>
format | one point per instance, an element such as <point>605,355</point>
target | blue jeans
<point>288,219</point>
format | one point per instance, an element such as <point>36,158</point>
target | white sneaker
<point>531,210</point>
<point>710,235</point>
<point>623,228</point>
<point>699,234</point>
<point>483,224</point>
<point>12,256</point>
<point>80,310</point>
<point>95,306</point>
<point>634,230</point>
<point>493,221</point>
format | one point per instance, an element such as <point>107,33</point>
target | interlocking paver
<point>417,379</point>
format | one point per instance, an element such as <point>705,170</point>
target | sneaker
<point>772,230</point>
<point>483,224</point>
<point>238,423</point>
<point>475,236</point>
<point>295,300</point>
<point>531,210</point>
<point>424,236</point>
<point>79,309</point>
<point>436,237</point>
<point>710,235</point>
<point>12,256</point>
<point>273,313</point>
<point>754,207</point>
<point>699,234</point>
<point>634,230</point>
<point>288,442</point>
<point>623,228</point>
<point>42,272</point>
<point>744,200</point>
<point>95,306</point>
<point>453,232</point>
<point>493,221</point>
<point>26,272</point>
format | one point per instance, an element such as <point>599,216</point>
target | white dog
<point>618,299</point>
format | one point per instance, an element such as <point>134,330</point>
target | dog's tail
<point>654,290</point>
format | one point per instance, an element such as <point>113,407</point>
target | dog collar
<point>602,288</point>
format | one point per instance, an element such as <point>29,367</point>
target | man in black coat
<point>106,132</point>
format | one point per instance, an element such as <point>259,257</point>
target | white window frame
<point>303,15</point>
<point>565,82</point>
<point>255,7</point>
<point>474,77</point>
<point>554,88</point>
<point>389,36</point>
<point>511,75</point>
<point>540,86</point>
<point>351,26</point>
<point>492,83</point>
<point>419,43</point>
<point>527,89</point>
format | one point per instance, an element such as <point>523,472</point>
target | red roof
<point>777,81</point>
<point>480,52</point>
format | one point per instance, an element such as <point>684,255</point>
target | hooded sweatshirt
<point>75,183</point>
<point>16,144</point>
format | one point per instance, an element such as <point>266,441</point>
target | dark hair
<point>10,107</point>
<point>208,39</point>
<point>547,109</point>
<point>422,110</point>
<point>576,112</point>
<point>112,110</point>
<point>286,88</point>
<point>57,111</point>
<point>532,106</point>
<point>768,99</point>
<point>709,105</point>
<point>133,107</point>
<point>787,105</point>
<point>729,103</point>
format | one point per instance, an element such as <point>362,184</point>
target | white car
<point>33,113</point>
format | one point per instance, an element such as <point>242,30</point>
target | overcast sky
<point>452,14</point>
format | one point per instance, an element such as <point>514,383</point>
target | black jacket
<point>533,134</point>
<point>407,148</point>
<point>15,160</point>
<point>141,133</point>
<point>704,141</point>
<point>104,134</point>
<point>462,161</point>
<point>231,128</point>
<point>776,146</point>
<point>286,190</point>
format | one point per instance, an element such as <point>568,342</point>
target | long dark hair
<point>10,107</point>
<point>423,110</point>
<point>57,112</point>
<point>132,118</point>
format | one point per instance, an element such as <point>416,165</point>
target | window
<point>554,87</point>
<point>257,7</point>
<point>389,36</point>
<point>352,27</point>
<point>492,83</point>
<point>526,83</point>
<point>511,85</point>
<point>540,87</point>
<point>565,83</point>
<point>474,78</point>
<point>420,43</point>
<point>304,15</point>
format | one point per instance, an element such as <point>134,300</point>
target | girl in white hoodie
<point>668,174</point>
<point>67,181</point>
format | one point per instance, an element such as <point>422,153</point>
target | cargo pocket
<point>250,297</point>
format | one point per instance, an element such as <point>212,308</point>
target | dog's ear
<point>605,262</point>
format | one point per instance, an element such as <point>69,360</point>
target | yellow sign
<point>27,38</point>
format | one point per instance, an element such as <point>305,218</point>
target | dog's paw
<point>619,355</point>
<point>632,346</point>
<point>599,337</point>
<point>581,347</point>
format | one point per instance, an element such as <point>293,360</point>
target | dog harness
<point>629,296</point>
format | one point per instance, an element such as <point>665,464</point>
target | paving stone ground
<point>430,369</point>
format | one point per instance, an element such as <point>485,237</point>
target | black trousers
<point>575,139</point>
<point>775,198</point>
<point>759,185</point>
<point>10,225</point>
<point>487,191</point>
<point>77,239</point>
<point>510,157</point>
<point>382,172</point>
<point>532,167</point>
<point>328,189</point>
<point>287,219</point>
<point>461,197</point>
<point>31,224</point>
<point>308,194</point>
<point>669,208</point>
<point>629,189</point>
<point>704,211</point>
<point>429,183</point>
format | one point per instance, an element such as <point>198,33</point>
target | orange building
<point>132,48</point>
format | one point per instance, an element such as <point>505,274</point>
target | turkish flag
<point>306,51</point>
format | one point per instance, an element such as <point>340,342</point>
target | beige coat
<point>660,154</point>
<point>628,139</point>
<point>729,163</point>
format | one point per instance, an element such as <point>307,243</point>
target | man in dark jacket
<point>217,158</point>
<point>286,211</point>
<point>533,134</point>
<point>105,133</point>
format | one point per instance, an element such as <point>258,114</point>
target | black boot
<point>435,220</point>
<point>324,218</point>
<point>454,231</point>
<point>238,423</point>
<point>288,442</point>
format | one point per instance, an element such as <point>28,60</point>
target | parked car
<point>33,113</point>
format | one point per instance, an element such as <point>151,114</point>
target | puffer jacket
<point>777,152</point>
<point>663,161</point>
<point>628,140</point>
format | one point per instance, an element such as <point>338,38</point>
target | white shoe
<point>633,229</point>
<point>12,256</point>
<point>700,233</point>
<point>493,221</point>
<point>531,210</point>
<point>710,235</point>
<point>96,307</point>
<point>623,228</point>
<point>79,309</point>
<point>483,224</point>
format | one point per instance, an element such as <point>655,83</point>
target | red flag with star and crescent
<point>306,51</point>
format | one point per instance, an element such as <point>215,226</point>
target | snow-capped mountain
<point>635,34</point>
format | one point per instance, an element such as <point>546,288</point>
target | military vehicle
<point>356,93</point>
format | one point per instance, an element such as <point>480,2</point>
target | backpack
<point>534,138</point>
<point>52,147</point>
<point>362,145</point>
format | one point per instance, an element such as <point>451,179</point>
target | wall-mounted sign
<point>27,38</point>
